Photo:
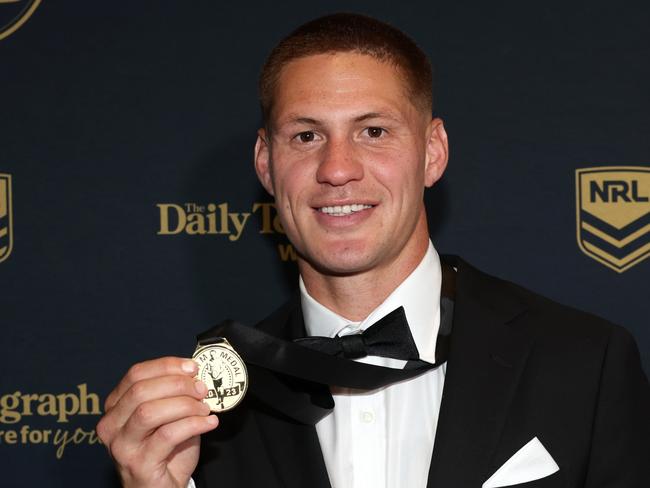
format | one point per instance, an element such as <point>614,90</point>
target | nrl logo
<point>613,214</point>
<point>6,233</point>
<point>14,13</point>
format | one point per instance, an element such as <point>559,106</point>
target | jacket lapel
<point>485,362</point>
<point>292,447</point>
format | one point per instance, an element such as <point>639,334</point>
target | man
<point>533,393</point>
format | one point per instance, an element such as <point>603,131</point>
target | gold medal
<point>224,373</point>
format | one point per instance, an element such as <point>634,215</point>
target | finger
<point>152,389</point>
<point>164,440</point>
<point>150,369</point>
<point>150,416</point>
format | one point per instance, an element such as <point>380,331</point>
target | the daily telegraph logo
<point>14,13</point>
<point>6,219</point>
<point>49,419</point>
<point>220,219</point>
<point>613,214</point>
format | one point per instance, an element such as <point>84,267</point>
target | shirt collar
<point>419,294</point>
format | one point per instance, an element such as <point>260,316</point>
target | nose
<point>340,163</point>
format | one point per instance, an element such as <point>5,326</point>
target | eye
<point>375,131</point>
<point>307,136</point>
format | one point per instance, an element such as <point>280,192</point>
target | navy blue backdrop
<point>133,218</point>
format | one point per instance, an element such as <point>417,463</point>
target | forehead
<point>336,81</point>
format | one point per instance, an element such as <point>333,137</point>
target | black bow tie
<point>389,337</point>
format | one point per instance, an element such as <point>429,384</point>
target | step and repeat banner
<point>131,218</point>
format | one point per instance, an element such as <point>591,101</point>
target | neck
<point>356,295</point>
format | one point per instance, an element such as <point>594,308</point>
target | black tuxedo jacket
<point>520,366</point>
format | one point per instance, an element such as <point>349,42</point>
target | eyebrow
<point>360,118</point>
<point>304,120</point>
<point>372,115</point>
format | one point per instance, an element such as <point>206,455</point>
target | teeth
<point>342,210</point>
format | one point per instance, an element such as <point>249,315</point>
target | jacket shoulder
<point>540,315</point>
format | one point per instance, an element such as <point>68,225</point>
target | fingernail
<point>212,420</point>
<point>200,387</point>
<point>189,366</point>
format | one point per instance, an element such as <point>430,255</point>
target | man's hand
<point>153,421</point>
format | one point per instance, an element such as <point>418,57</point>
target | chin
<point>341,262</point>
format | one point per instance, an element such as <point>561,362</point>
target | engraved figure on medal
<point>224,373</point>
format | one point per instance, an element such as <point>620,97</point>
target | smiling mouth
<point>344,210</point>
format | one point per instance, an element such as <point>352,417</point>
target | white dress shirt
<point>384,438</point>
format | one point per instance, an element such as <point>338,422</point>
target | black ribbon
<point>271,359</point>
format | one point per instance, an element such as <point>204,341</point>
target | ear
<point>263,161</point>
<point>437,152</point>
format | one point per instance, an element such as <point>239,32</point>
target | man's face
<point>347,159</point>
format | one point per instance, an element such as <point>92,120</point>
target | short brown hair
<point>346,32</point>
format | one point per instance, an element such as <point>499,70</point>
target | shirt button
<point>367,417</point>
